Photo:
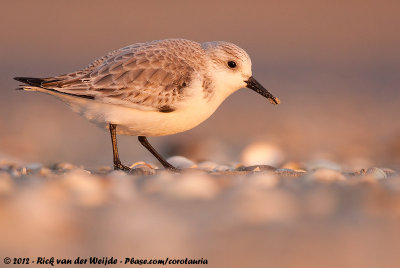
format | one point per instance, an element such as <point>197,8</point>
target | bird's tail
<point>46,85</point>
<point>30,83</point>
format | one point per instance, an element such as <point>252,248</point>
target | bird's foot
<point>174,169</point>
<point>144,170</point>
<point>120,166</point>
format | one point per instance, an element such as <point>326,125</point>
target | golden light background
<point>334,65</point>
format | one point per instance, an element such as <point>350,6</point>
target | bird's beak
<point>257,87</point>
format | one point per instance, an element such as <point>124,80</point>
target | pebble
<point>376,173</point>
<point>6,165</point>
<point>389,171</point>
<point>286,172</point>
<point>63,167</point>
<point>222,168</point>
<point>326,175</point>
<point>142,171</point>
<point>256,168</point>
<point>45,172</point>
<point>262,153</point>
<point>214,167</point>
<point>181,162</point>
<point>15,173</point>
<point>293,166</point>
<point>207,165</point>
<point>323,164</point>
<point>33,168</point>
<point>116,174</point>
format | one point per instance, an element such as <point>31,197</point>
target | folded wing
<point>146,76</point>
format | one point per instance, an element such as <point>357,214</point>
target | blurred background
<point>335,66</point>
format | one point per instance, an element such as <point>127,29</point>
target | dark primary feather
<point>32,81</point>
<point>39,82</point>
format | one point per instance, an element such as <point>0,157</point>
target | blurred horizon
<point>335,67</point>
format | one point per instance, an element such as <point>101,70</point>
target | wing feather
<point>145,76</point>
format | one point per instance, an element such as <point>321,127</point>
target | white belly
<point>145,123</point>
<point>135,122</point>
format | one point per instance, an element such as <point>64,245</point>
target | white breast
<point>190,113</point>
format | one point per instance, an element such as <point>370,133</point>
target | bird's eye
<point>232,64</point>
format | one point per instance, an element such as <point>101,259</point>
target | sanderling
<point>153,89</point>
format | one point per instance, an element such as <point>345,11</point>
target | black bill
<point>257,87</point>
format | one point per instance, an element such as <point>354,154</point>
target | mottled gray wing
<point>142,76</point>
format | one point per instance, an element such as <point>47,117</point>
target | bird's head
<point>231,68</point>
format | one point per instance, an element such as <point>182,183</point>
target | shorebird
<point>155,88</point>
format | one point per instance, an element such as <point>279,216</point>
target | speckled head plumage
<point>221,52</point>
<point>233,67</point>
<point>230,65</point>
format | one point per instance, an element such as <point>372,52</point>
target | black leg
<point>117,162</point>
<point>143,140</point>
